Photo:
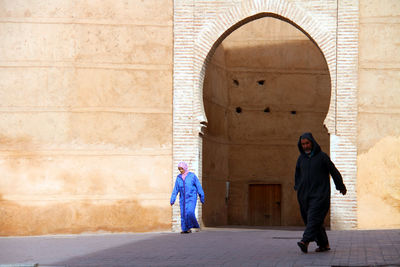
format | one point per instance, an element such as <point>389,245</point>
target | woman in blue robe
<point>188,186</point>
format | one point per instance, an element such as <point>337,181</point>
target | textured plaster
<point>379,185</point>
<point>378,162</point>
<point>84,144</point>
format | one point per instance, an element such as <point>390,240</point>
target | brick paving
<point>209,247</point>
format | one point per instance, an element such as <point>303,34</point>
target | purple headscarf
<point>184,166</point>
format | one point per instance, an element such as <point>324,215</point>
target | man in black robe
<point>312,184</point>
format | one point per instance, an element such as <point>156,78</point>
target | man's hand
<point>343,191</point>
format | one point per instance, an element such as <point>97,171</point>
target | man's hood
<point>316,148</point>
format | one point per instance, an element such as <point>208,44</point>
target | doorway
<point>265,204</point>
<point>265,85</point>
<point>215,169</point>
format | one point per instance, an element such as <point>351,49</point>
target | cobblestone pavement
<point>209,247</point>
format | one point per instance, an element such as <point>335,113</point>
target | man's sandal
<point>303,246</point>
<point>322,249</point>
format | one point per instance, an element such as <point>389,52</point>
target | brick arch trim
<point>216,30</point>
<point>194,40</point>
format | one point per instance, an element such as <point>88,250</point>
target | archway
<point>198,31</point>
<point>265,84</point>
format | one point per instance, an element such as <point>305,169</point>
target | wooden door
<point>265,204</point>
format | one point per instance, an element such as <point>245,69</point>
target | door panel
<point>265,204</point>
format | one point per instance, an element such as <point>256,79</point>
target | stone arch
<point>194,41</point>
<point>215,32</point>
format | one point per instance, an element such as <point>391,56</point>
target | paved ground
<point>210,247</point>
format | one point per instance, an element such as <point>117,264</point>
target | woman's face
<point>181,170</point>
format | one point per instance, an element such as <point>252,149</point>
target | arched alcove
<point>199,29</point>
<point>265,84</point>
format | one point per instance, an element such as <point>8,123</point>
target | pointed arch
<point>333,29</point>
<point>215,31</point>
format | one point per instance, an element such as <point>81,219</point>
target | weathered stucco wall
<point>85,116</point>
<point>378,179</point>
<point>271,70</point>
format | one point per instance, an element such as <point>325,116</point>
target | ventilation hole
<point>236,82</point>
<point>239,110</point>
<point>293,112</point>
<point>266,110</point>
<point>261,82</point>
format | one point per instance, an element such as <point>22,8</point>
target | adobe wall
<point>378,179</point>
<point>85,145</point>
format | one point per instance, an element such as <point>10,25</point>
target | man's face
<point>306,145</point>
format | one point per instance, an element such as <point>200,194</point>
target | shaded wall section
<point>278,87</point>
<point>378,179</point>
<point>84,144</point>
<point>216,142</point>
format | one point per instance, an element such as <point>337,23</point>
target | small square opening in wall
<point>235,82</point>
<point>293,112</point>
<point>267,110</point>
<point>261,82</point>
<point>238,110</point>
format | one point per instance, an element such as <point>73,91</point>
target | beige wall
<point>84,143</point>
<point>263,145</point>
<point>378,179</point>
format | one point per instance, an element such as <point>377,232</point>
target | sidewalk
<point>210,247</point>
